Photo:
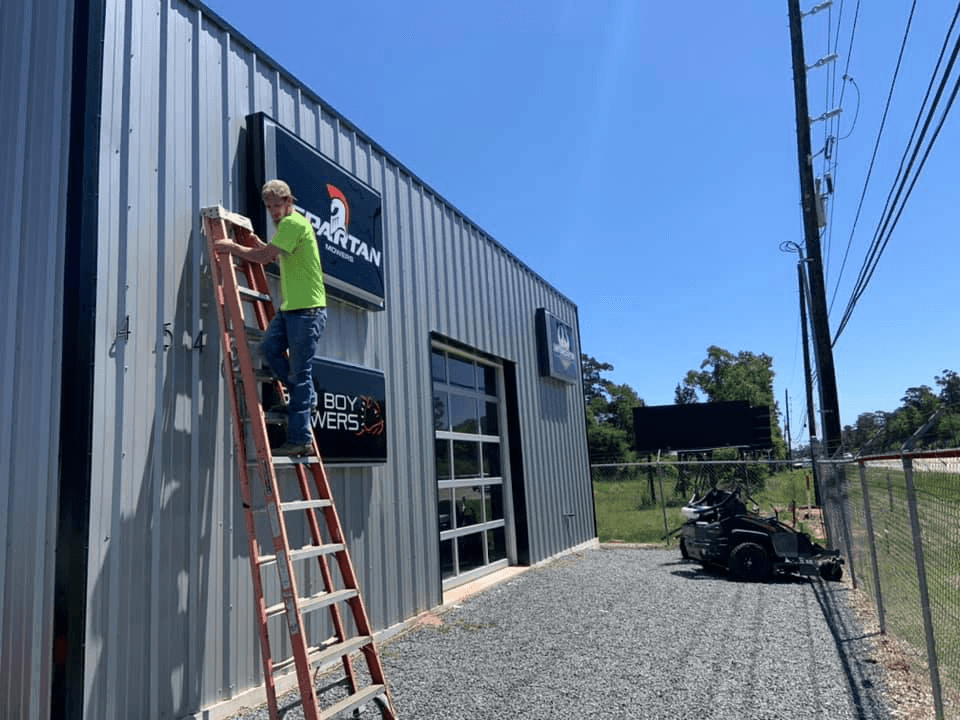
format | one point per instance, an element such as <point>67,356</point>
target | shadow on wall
<point>152,611</point>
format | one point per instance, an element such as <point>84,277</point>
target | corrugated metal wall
<point>170,622</point>
<point>35,82</point>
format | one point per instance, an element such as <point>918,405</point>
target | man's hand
<point>263,254</point>
<point>225,246</point>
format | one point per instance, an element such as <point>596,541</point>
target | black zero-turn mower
<point>720,532</point>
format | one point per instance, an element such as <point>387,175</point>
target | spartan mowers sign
<point>344,211</point>
<point>351,425</point>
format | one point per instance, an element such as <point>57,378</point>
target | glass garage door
<point>470,458</point>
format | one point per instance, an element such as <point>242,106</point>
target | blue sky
<point>642,158</point>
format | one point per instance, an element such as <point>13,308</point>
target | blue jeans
<point>296,331</point>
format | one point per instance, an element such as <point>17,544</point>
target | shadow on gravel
<point>851,644</point>
<point>695,571</point>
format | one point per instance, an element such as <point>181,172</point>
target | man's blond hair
<point>276,188</point>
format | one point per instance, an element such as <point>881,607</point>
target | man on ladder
<point>298,325</point>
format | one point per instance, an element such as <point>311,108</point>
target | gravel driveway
<point>633,633</point>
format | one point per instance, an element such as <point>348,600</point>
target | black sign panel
<point>556,348</point>
<point>344,211</point>
<point>351,425</point>
<point>702,426</point>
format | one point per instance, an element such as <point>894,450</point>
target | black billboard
<point>556,348</point>
<point>351,423</point>
<point>702,426</point>
<point>345,212</point>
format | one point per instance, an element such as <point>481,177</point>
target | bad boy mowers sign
<point>344,211</point>
<point>351,423</point>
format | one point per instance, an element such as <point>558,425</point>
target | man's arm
<point>263,254</point>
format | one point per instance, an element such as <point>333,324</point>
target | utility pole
<point>808,382</point>
<point>786,404</point>
<point>823,351</point>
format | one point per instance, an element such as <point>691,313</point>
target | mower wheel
<point>749,561</point>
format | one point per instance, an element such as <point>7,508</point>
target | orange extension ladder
<point>241,285</point>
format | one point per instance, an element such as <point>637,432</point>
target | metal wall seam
<point>401,320</point>
<point>419,415</point>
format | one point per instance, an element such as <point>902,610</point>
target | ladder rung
<point>287,460</point>
<point>326,599</point>
<point>352,702</point>
<point>298,460</point>
<point>295,505</point>
<point>304,505</point>
<point>315,602</point>
<point>306,552</point>
<point>253,294</point>
<point>254,334</point>
<point>311,551</point>
<point>326,655</point>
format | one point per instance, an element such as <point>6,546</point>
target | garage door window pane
<point>496,544</point>
<point>487,379</point>
<point>442,459</point>
<point>466,459</point>
<point>470,549</point>
<point>469,506</point>
<point>447,568</point>
<point>461,372</point>
<point>489,424</point>
<point>493,500</point>
<point>445,508</point>
<point>438,366</point>
<point>441,416</point>
<point>463,414</point>
<point>491,460</point>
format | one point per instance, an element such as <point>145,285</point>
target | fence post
<point>823,495</point>
<point>922,580</point>
<point>841,472</point>
<point>663,500</point>
<point>868,520</point>
<point>836,497</point>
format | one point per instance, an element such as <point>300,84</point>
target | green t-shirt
<point>301,274</point>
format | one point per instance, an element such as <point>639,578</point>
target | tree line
<point>883,431</point>
<point>724,376</point>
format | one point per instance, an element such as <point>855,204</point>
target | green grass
<point>620,515</point>
<point>626,513</point>
<point>938,501</point>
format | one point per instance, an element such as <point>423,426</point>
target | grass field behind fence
<point>938,510</point>
<point>627,513</point>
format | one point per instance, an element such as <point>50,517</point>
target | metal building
<point>125,583</point>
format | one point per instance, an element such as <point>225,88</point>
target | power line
<point>889,221</point>
<point>876,147</point>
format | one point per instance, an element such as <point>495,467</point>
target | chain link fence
<point>897,520</point>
